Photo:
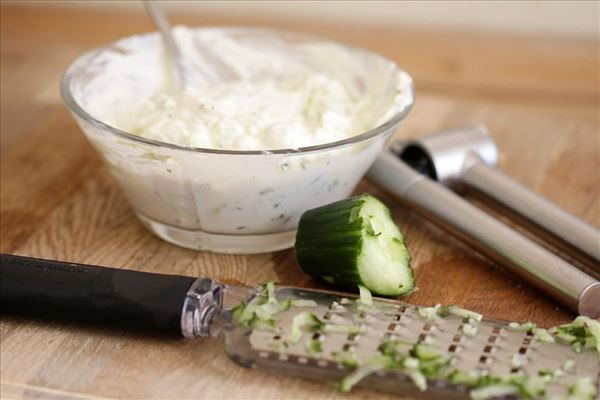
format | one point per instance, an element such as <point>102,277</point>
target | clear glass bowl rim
<point>379,130</point>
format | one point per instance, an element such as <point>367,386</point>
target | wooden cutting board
<point>58,201</point>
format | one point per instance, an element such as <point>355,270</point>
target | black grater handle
<point>86,293</point>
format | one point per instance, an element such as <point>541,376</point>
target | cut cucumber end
<point>384,261</point>
<point>355,242</point>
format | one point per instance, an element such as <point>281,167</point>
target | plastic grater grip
<point>60,290</point>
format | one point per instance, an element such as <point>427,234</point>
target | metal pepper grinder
<point>465,152</point>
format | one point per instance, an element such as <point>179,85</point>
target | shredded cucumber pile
<point>309,322</point>
<point>260,315</point>
<point>582,332</point>
<point>423,360</point>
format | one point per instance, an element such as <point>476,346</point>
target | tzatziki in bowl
<point>231,166</point>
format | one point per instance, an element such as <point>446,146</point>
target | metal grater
<point>489,350</point>
<point>202,307</point>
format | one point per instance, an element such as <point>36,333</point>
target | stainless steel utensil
<point>468,156</point>
<point>174,58</point>
<point>203,307</point>
<point>567,284</point>
<point>184,72</point>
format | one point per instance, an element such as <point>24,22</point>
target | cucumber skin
<point>322,243</point>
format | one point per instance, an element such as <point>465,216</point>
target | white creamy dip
<point>291,91</point>
<point>276,101</point>
<point>251,115</point>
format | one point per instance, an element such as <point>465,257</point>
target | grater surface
<point>490,350</point>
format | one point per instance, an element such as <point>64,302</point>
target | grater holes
<point>529,332</point>
<point>397,317</point>
<point>423,338</point>
<point>496,330</point>
<point>523,350</point>
<point>526,341</point>
<point>488,349</point>
<point>492,339</point>
<point>352,337</point>
<point>454,347</point>
<point>428,327</point>
<point>277,337</point>
<point>347,347</point>
<point>327,316</point>
<point>391,327</point>
<point>316,336</point>
<point>485,360</point>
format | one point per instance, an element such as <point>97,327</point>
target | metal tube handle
<point>572,287</point>
<point>533,207</point>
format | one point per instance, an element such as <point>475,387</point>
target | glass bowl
<point>228,200</point>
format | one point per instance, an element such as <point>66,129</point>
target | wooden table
<point>538,96</point>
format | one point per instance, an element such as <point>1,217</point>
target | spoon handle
<point>156,11</point>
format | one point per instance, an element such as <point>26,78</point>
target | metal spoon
<point>178,73</point>
<point>211,70</point>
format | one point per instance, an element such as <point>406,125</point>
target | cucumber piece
<point>355,242</point>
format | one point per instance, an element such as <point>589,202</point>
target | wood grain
<point>538,96</point>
